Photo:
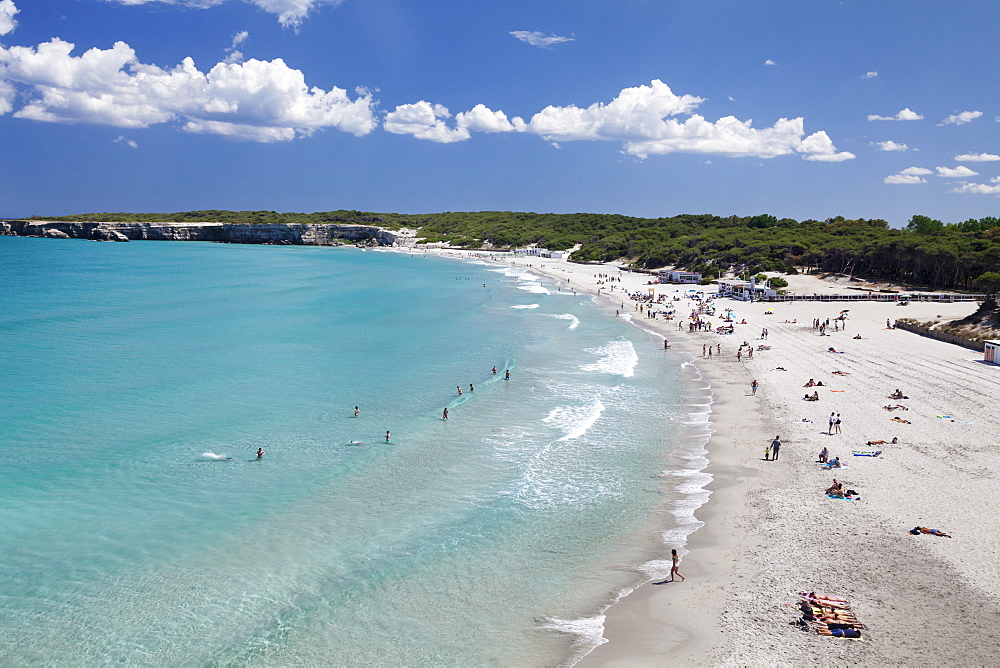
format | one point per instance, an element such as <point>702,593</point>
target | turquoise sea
<point>137,527</point>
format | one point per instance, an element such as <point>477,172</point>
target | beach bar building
<point>992,352</point>
<point>674,276</point>
<point>745,290</point>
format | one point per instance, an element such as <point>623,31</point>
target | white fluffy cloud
<point>980,188</point>
<point>890,146</point>
<point>961,118</point>
<point>540,39</point>
<point>959,172</point>
<point>869,75</point>
<point>128,142</point>
<point>977,157</point>
<point>7,12</point>
<point>424,120</point>
<point>903,115</point>
<point>233,53</point>
<point>290,13</point>
<point>638,117</point>
<point>770,62</point>
<point>909,175</point>
<point>255,100</point>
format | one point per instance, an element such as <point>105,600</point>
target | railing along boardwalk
<point>878,297</point>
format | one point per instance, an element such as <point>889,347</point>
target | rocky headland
<point>302,234</point>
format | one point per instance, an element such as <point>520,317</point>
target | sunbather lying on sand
<point>894,441</point>
<point>900,420</point>
<point>840,373</point>
<point>916,531</point>
<point>897,407</point>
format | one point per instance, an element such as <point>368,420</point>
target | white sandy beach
<point>770,530</point>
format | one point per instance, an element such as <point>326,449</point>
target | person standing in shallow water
<point>444,416</point>
<point>260,453</point>
<point>675,563</point>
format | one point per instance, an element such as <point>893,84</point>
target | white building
<point>992,352</point>
<point>535,251</point>
<point>674,276</point>
<point>745,290</point>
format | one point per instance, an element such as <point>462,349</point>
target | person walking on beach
<point>675,563</point>
<point>775,447</point>
<point>832,419</point>
<point>753,388</point>
<point>836,423</point>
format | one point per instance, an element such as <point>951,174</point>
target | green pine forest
<point>927,253</point>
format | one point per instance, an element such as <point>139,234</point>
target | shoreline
<point>627,640</point>
<point>770,531</point>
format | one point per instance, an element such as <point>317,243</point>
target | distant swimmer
<point>471,389</point>
<point>494,371</point>
<point>506,375</point>
<point>666,344</point>
<point>386,437</point>
<point>444,416</point>
<point>357,411</point>
<point>459,388</point>
<point>260,453</point>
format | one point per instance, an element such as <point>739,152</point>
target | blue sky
<point>798,108</point>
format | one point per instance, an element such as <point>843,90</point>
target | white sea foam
<point>534,288</point>
<point>510,272</point>
<point>574,321</point>
<point>212,455</point>
<point>480,262</point>
<point>574,421</point>
<point>525,306</point>
<point>618,358</point>
<point>589,632</point>
<point>656,569</point>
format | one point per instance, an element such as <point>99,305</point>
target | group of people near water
<point>445,415</point>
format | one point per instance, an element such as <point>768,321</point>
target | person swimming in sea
<point>260,453</point>
<point>357,411</point>
<point>387,437</point>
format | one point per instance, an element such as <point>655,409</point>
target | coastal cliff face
<point>236,233</point>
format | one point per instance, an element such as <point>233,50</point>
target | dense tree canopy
<point>926,252</point>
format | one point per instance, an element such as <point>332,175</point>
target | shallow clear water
<point>132,372</point>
